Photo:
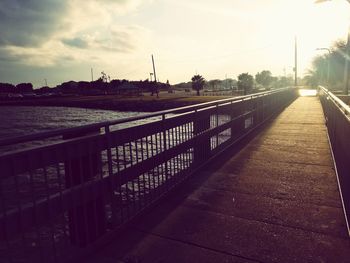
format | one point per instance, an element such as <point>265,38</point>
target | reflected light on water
<point>307,92</point>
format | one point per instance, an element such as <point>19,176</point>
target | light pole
<point>295,62</point>
<point>347,55</point>
<point>346,69</point>
<point>328,63</point>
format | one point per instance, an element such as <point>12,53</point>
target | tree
<point>264,78</point>
<point>197,83</point>
<point>24,87</point>
<point>214,83</point>
<point>245,82</point>
<point>312,79</point>
<point>281,82</point>
<point>7,87</point>
<point>336,59</point>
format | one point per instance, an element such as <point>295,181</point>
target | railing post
<point>237,126</point>
<point>87,219</point>
<point>202,147</point>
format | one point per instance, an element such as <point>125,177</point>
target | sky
<point>61,40</point>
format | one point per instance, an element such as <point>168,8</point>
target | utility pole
<point>154,70</point>
<point>295,63</point>
<point>92,75</point>
<point>155,77</point>
<point>45,82</point>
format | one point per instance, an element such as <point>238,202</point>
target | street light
<point>328,63</point>
<point>346,70</point>
<point>347,55</point>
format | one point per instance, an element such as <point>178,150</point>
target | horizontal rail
<point>63,197</point>
<point>100,125</point>
<point>342,106</point>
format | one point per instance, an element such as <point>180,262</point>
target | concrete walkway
<point>274,201</point>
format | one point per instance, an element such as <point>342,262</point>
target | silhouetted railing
<point>337,115</point>
<point>69,195</point>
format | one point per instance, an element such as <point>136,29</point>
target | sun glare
<point>307,92</point>
<point>314,25</point>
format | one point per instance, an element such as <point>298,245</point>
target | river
<point>21,120</point>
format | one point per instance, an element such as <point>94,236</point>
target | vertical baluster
<point>32,193</point>
<point>182,140</point>
<point>111,174</point>
<point>143,174</point>
<point>73,231</point>
<point>150,193</point>
<point>177,135</point>
<point>217,123</point>
<point>164,150</point>
<point>119,186</point>
<point>173,143</point>
<point>4,221</point>
<point>96,206</point>
<point>60,186</point>
<point>186,138</point>
<point>126,185</point>
<point>132,180</point>
<point>18,202</point>
<point>153,179</point>
<point>84,233</point>
<point>48,200</point>
<point>138,177</point>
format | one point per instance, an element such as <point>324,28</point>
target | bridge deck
<point>276,200</point>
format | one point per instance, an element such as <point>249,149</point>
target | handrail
<point>337,115</point>
<point>341,104</point>
<point>99,125</point>
<point>77,193</point>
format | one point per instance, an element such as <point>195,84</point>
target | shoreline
<point>111,102</point>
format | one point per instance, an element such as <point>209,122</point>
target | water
<point>126,200</point>
<point>22,120</point>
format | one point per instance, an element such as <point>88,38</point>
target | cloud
<point>28,23</point>
<point>31,23</point>
<point>42,33</point>
<point>76,42</point>
<point>121,39</point>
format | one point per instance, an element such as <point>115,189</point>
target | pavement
<point>275,200</point>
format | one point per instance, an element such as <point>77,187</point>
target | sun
<point>314,25</point>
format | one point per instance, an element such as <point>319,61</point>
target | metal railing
<point>337,115</point>
<point>67,196</point>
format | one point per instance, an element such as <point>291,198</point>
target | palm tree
<point>197,83</point>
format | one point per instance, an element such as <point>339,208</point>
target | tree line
<point>19,88</point>
<point>246,82</point>
<point>100,85</point>
<point>328,69</point>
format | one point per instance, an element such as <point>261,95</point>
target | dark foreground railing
<point>337,115</point>
<point>62,199</point>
